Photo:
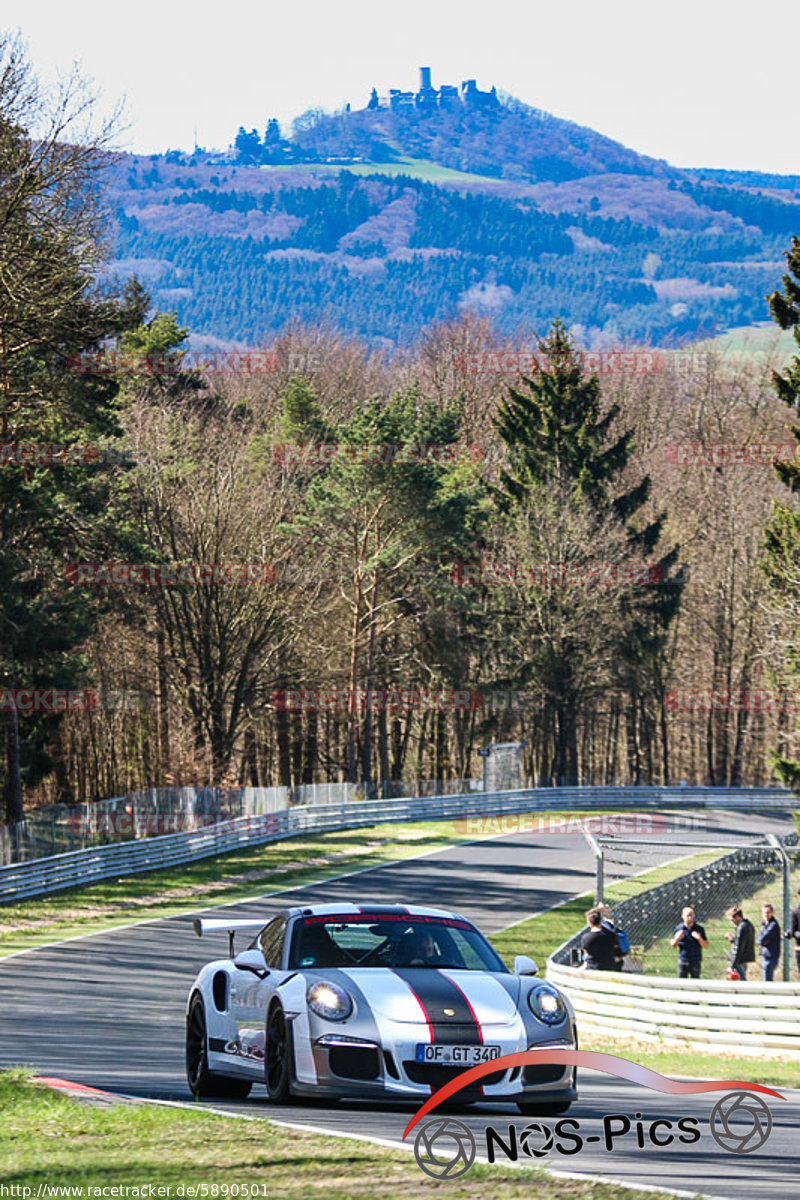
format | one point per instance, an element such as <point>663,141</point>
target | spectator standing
<point>690,938</point>
<point>743,942</point>
<point>607,923</point>
<point>769,939</point>
<point>599,944</point>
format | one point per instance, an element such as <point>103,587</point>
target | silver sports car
<point>372,1001</point>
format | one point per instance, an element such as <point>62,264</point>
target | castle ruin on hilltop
<point>428,97</point>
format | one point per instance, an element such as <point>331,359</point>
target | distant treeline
<point>490,252</point>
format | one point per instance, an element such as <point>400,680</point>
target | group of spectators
<point>602,952</point>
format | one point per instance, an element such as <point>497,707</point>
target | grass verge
<point>698,1063</point>
<point>221,879</point>
<point>226,878</point>
<point>48,1139</point>
<point>541,935</point>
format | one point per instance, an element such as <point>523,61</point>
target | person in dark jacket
<point>690,938</point>
<point>743,942</point>
<point>794,930</point>
<point>600,947</point>
<point>607,923</point>
<point>769,939</point>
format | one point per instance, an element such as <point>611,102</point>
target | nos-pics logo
<point>445,1148</point>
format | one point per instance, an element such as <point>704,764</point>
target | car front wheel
<point>277,1056</point>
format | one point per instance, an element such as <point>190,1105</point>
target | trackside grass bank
<point>715,959</point>
<point>50,1141</point>
<point>696,1064</point>
<point>540,935</point>
<point>225,878</point>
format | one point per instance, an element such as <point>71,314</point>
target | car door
<point>250,988</point>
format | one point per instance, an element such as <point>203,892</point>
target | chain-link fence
<point>716,879</point>
<point>61,828</point>
<point>155,811</point>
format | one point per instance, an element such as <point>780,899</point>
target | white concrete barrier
<point>745,1018</point>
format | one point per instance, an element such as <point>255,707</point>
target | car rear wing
<point>204,925</point>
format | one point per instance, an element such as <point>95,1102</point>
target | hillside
<point>510,141</point>
<point>385,219</point>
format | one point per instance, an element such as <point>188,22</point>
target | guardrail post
<point>786,862</point>
<point>599,867</point>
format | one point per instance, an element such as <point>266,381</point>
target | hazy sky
<point>698,82</point>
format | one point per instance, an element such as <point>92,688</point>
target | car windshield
<point>390,940</point>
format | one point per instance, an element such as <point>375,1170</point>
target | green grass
<point>225,878</point>
<point>49,1139</point>
<point>417,168</point>
<point>750,341</point>
<point>220,879</point>
<point>699,1064</point>
<point>539,936</point>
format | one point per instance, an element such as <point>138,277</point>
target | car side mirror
<point>252,960</point>
<point>524,965</point>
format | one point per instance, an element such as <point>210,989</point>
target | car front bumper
<point>362,1068</point>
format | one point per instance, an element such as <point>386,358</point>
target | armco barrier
<point>752,1018</point>
<point>76,867</point>
<point>60,828</point>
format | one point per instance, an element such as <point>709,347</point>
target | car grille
<point>437,1075</point>
<point>354,1062</point>
<point>543,1073</point>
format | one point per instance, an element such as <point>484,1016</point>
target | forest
<point>360,564</point>
<point>384,257</point>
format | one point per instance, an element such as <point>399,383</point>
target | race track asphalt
<point>108,1010</point>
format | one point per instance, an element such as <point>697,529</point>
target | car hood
<point>426,996</point>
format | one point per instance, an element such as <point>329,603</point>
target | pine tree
<point>51,513</point>
<point>563,454</point>
<point>782,561</point>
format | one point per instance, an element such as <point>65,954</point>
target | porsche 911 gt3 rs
<point>372,1001</point>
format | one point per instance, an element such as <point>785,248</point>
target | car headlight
<point>547,1005</point>
<point>330,1001</point>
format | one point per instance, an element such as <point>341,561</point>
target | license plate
<point>462,1056</point>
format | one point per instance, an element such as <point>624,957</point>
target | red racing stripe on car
<point>451,1018</point>
<point>423,1009</point>
<point>469,1006</point>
